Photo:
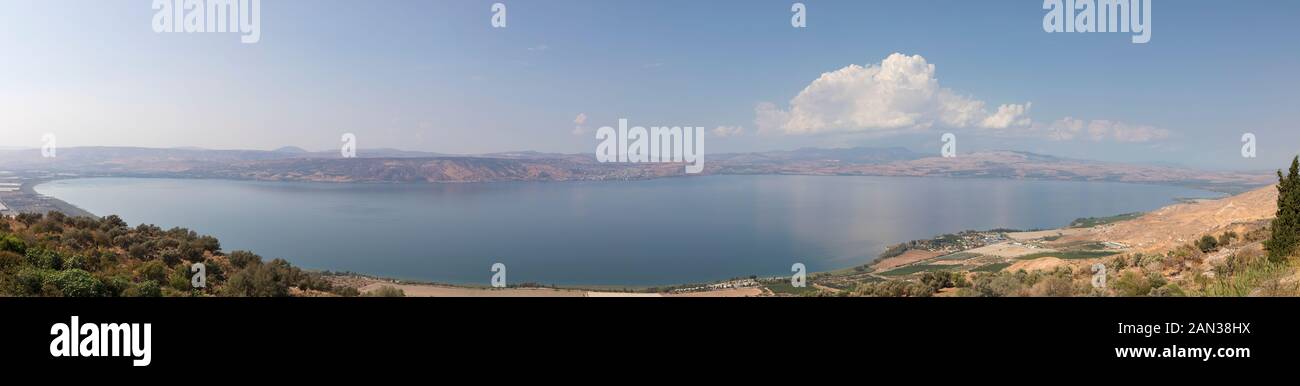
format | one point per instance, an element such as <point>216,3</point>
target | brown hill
<point>1180,224</point>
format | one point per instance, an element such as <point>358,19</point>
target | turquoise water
<point>635,233</point>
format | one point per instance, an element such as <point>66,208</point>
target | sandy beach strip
<point>430,290</point>
<point>440,291</point>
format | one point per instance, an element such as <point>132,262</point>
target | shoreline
<point>421,288</point>
<point>29,187</point>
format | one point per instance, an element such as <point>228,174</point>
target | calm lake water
<point>666,231</point>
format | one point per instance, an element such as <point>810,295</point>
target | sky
<point>435,75</point>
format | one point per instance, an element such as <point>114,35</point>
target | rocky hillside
<point>1172,226</point>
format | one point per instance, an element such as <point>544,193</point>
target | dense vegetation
<point>950,240</point>
<point>1089,222</point>
<point>55,255</point>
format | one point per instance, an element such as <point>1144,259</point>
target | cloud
<point>728,131</point>
<point>579,122</point>
<point>900,94</point>
<point>1068,128</point>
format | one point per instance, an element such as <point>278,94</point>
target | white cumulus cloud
<point>901,93</point>
<point>1068,128</point>
<point>728,131</point>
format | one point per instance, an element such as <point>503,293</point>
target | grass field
<point>1069,255</point>
<point>960,256</point>
<point>786,288</point>
<point>992,267</point>
<point>1089,222</point>
<point>918,268</point>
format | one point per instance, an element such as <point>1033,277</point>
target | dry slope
<point>1179,224</point>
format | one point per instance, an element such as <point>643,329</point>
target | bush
<point>1227,238</point>
<point>1054,286</point>
<point>347,292</point>
<point>1000,284</point>
<point>1207,244</point>
<point>180,279</point>
<point>242,259</point>
<point>29,281</point>
<point>114,286</point>
<point>13,244</point>
<point>76,283</point>
<point>146,289</point>
<point>153,270</point>
<point>11,261</point>
<point>1131,283</point>
<point>386,292</point>
<point>44,258</point>
<point>260,280</point>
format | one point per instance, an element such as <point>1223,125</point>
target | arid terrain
<point>1205,247</point>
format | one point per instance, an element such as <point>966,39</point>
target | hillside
<point>53,255</point>
<point>1175,225</point>
<point>1203,248</point>
<point>387,165</point>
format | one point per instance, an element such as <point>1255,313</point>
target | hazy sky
<point>434,75</point>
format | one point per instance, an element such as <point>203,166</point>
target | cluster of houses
<point>968,240</point>
<point>741,283</point>
<point>8,185</point>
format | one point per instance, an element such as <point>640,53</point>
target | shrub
<point>29,281</point>
<point>1207,244</point>
<point>10,261</point>
<point>153,270</point>
<point>44,258</point>
<point>260,280</point>
<point>76,283</point>
<point>386,292</point>
<point>1131,283</point>
<point>1053,286</point>
<point>1000,284</point>
<point>13,244</point>
<point>1226,238</point>
<point>114,286</point>
<point>347,292</point>
<point>180,279</point>
<point>146,289</point>
<point>242,259</point>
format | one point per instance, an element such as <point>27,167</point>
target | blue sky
<point>434,75</point>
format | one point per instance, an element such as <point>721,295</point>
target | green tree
<point>1286,227</point>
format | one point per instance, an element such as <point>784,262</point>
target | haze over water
<point>634,233</point>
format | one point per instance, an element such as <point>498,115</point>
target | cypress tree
<point>1286,227</point>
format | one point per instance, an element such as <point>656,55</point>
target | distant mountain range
<point>391,165</point>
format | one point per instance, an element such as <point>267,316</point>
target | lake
<point>624,233</point>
